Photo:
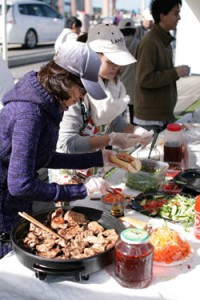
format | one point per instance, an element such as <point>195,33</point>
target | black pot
<point>74,269</point>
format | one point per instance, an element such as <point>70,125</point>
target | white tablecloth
<point>170,283</point>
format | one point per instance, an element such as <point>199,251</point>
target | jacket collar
<point>166,37</point>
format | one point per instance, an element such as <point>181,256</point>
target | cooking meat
<point>57,219</point>
<point>94,240</point>
<point>89,252</point>
<point>70,232</point>
<point>52,253</point>
<point>75,253</point>
<point>44,247</point>
<point>98,248</point>
<point>31,240</point>
<point>81,238</point>
<point>95,227</point>
<point>74,218</point>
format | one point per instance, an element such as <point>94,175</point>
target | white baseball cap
<point>109,40</point>
<point>78,59</point>
<point>147,14</point>
<point>126,23</point>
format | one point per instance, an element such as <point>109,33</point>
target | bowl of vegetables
<point>149,178</point>
<point>173,207</point>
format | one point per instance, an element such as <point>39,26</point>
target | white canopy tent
<point>187,39</point>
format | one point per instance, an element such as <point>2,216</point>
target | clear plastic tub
<point>150,178</point>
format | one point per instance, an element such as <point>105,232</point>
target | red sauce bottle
<point>197,218</point>
<point>134,258</point>
<point>173,145</point>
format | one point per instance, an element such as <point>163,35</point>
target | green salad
<point>179,208</point>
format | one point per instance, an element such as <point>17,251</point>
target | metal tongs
<point>155,137</point>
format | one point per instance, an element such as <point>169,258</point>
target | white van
<point>30,23</point>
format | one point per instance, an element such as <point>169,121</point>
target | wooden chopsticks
<point>37,223</point>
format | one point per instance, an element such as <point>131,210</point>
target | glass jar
<point>173,145</point>
<point>134,258</point>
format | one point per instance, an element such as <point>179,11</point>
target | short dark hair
<point>73,21</point>
<point>82,37</point>
<point>162,6</point>
<point>57,81</point>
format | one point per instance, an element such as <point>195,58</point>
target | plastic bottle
<point>133,258</point>
<point>173,145</point>
<point>197,218</point>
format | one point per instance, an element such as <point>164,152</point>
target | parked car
<point>30,22</point>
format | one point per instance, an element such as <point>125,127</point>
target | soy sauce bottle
<point>117,209</point>
<point>173,145</point>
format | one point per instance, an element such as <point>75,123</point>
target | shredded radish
<point>168,245</point>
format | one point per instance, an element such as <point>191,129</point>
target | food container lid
<point>174,127</point>
<point>134,236</point>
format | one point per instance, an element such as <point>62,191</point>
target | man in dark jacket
<point>156,76</point>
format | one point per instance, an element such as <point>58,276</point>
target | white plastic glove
<point>144,136</point>
<point>96,184</point>
<point>123,140</point>
<point>106,160</point>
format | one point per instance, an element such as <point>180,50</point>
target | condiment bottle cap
<point>134,236</point>
<point>174,127</point>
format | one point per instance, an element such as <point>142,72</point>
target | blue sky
<point>124,4</point>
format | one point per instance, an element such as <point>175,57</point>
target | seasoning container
<point>173,145</point>
<point>134,258</point>
<point>117,209</point>
<point>197,218</point>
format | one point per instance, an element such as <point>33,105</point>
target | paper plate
<point>174,263</point>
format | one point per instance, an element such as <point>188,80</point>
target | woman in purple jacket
<point>29,124</point>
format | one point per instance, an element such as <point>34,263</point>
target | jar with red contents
<point>134,258</point>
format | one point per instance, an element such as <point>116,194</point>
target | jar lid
<point>174,127</point>
<point>134,236</point>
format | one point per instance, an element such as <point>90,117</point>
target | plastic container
<point>197,218</point>
<point>134,258</point>
<point>149,178</point>
<point>173,145</point>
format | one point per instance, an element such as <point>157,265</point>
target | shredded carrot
<point>168,245</point>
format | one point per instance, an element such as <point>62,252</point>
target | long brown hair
<point>57,81</point>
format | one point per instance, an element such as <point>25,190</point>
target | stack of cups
<point>197,218</point>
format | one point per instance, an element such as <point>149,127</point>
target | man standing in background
<point>156,76</point>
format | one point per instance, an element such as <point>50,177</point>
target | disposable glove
<point>143,136</point>
<point>106,160</point>
<point>123,140</point>
<point>96,184</point>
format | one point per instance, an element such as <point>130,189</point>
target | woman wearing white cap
<point>90,124</point>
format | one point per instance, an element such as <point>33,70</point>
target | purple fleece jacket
<point>29,124</point>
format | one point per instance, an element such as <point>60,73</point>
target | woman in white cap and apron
<point>90,125</point>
